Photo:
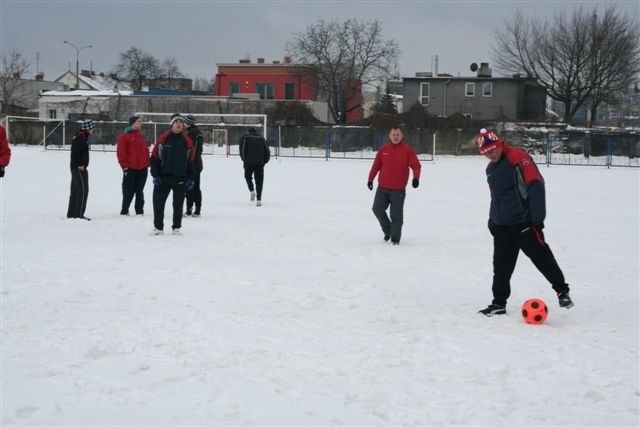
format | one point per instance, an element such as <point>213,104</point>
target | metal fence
<point>566,147</point>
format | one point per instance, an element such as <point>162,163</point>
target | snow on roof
<point>86,93</point>
<point>104,83</point>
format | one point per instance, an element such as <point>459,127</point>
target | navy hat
<point>190,120</point>
<point>88,125</point>
<point>176,116</point>
<point>133,119</point>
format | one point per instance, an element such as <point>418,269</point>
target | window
<point>468,115</point>
<point>487,89</point>
<point>234,87</point>
<point>424,94</point>
<point>470,89</point>
<point>265,90</point>
<point>289,91</point>
<point>53,114</point>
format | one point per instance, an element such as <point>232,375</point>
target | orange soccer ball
<point>534,311</point>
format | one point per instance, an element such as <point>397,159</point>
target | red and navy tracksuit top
<point>517,189</point>
<point>174,155</point>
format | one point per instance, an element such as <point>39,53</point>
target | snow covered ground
<point>297,313</point>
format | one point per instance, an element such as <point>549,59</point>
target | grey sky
<point>200,34</point>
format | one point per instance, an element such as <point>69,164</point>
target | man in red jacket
<point>393,161</point>
<point>5,151</point>
<point>133,156</point>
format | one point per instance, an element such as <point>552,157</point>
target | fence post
<point>609,152</point>
<point>279,141</point>
<point>327,145</point>
<point>433,154</point>
<point>548,149</point>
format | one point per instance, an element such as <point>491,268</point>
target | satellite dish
<point>474,67</point>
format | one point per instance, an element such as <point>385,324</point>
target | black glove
<point>415,182</point>
<point>370,185</point>
<point>1,171</point>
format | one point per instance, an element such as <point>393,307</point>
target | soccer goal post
<point>221,132</point>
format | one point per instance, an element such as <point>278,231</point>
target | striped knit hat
<point>190,120</point>
<point>487,141</point>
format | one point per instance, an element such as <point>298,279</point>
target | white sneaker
<point>176,232</point>
<point>253,196</point>
<point>157,232</point>
<point>259,203</point>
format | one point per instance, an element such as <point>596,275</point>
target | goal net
<point>221,132</point>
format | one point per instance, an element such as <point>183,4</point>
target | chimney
<point>276,62</point>
<point>101,74</point>
<point>85,73</point>
<point>16,75</point>
<point>245,61</point>
<point>260,60</point>
<point>287,60</point>
<point>484,70</point>
<point>40,76</point>
<point>113,76</point>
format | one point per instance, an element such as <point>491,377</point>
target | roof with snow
<point>86,93</point>
<point>99,82</point>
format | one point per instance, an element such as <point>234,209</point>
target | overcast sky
<point>201,34</point>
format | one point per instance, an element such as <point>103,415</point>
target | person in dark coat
<point>194,196</point>
<point>392,164</point>
<point>133,157</point>
<point>516,219</point>
<point>254,152</point>
<point>5,151</point>
<point>172,168</point>
<point>79,173</point>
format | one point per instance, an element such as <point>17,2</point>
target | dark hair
<point>252,130</point>
<point>399,127</point>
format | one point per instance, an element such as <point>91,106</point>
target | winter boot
<point>493,309</point>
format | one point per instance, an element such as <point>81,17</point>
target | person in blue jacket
<point>516,220</point>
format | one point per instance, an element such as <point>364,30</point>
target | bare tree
<point>137,67</point>
<point>169,69</point>
<point>345,55</point>
<point>12,83</point>
<point>202,84</point>
<point>572,57</point>
<point>615,58</point>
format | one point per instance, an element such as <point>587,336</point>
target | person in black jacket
<point>194,196</point>
<point>172,161</point>
<point>79,173</point>
<point>516,220</point>
<point>254,152</point>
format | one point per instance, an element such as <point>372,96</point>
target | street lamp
<point>78,49</point>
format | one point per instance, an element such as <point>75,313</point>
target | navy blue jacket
<point>517,189</point>
<point>173,155</point>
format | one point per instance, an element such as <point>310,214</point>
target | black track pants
<point>507,243</point>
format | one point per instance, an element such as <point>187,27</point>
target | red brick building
<point>277,81</point>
